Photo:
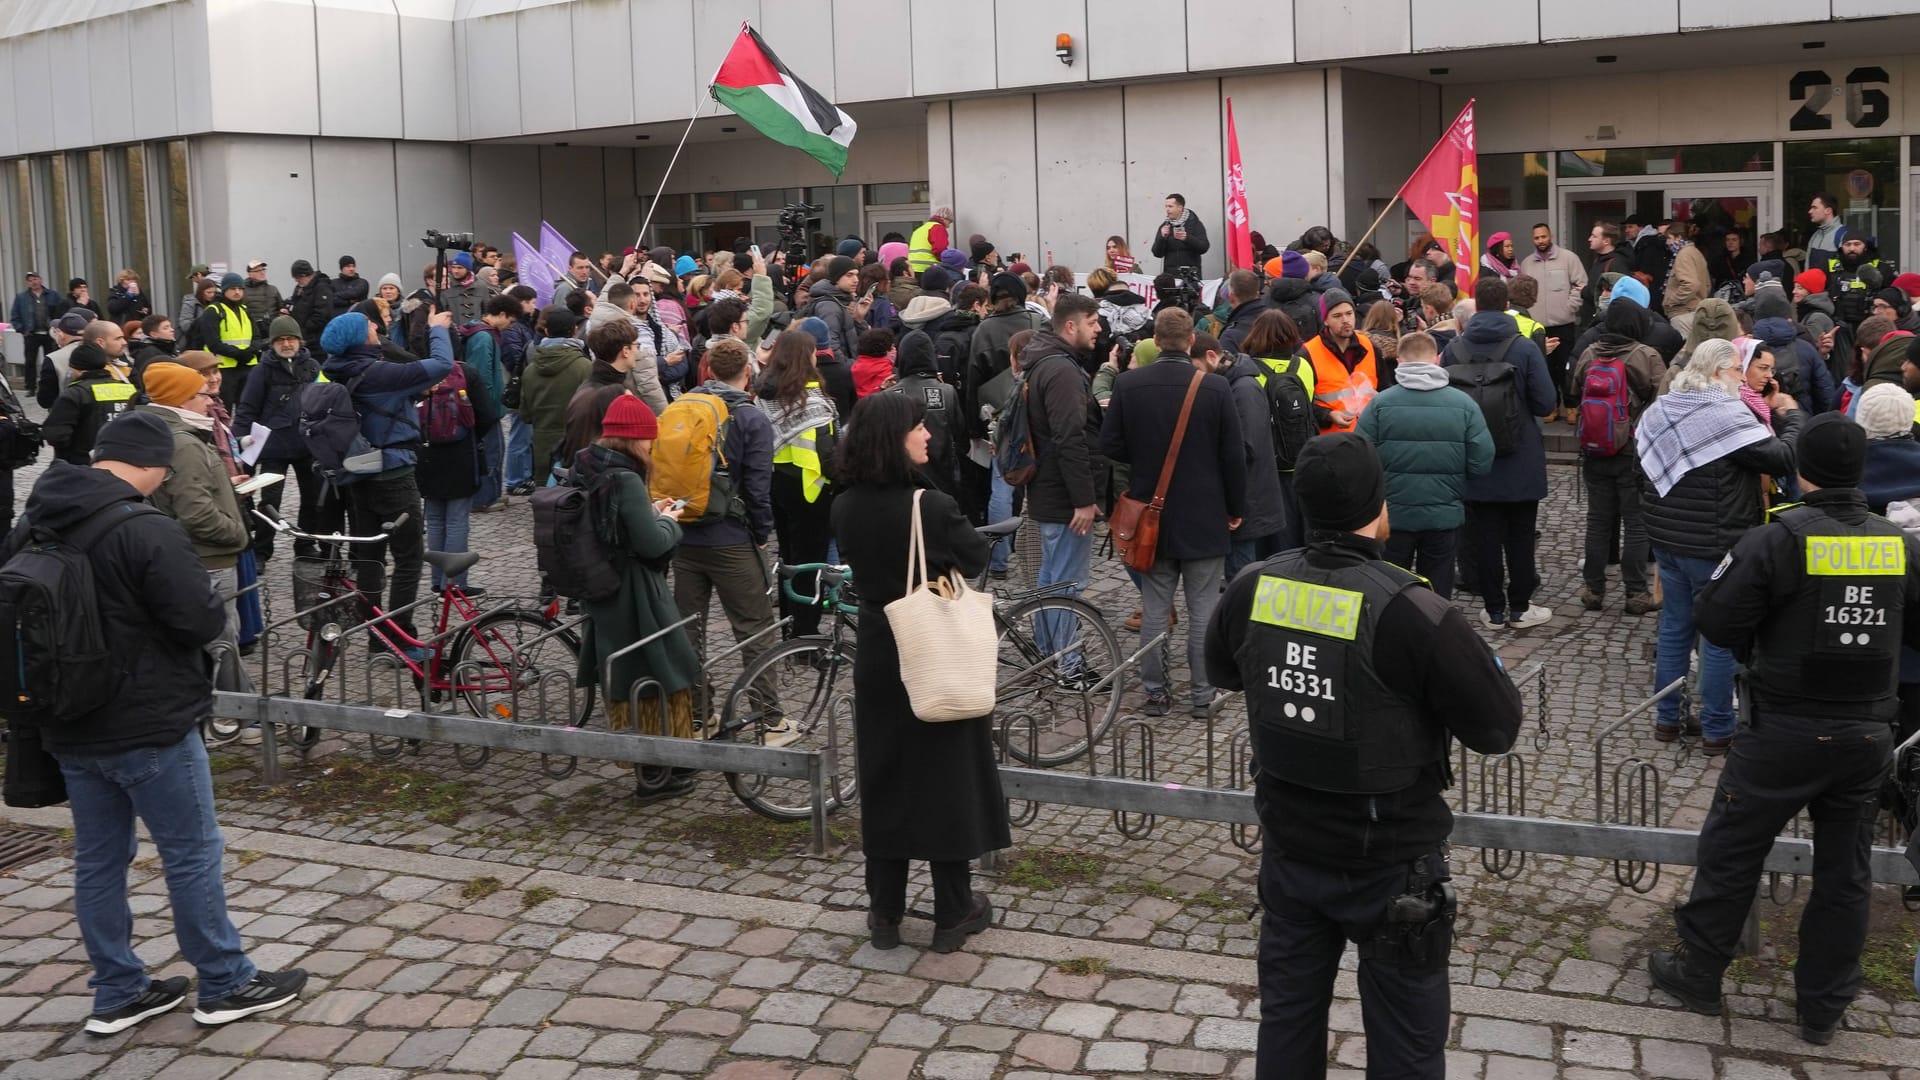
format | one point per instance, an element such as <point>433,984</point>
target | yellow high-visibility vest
<point>236,331</point>
<point>113,391</point>
<point>920,253</point>
<point>805,453</point>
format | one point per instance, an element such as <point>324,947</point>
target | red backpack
<point>1604,426</point>
<point>446,413</point>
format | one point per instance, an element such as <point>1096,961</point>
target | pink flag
<point>1239,229</point>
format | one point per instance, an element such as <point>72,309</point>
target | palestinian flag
<point>756,85</point>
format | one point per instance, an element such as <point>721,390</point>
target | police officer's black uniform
<point>1816,605</point>
<point>1355,674</point>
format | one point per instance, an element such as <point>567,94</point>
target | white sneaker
<point>1535,615</point>
<point>784,733</point>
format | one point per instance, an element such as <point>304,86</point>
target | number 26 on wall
<point>1866,104</point>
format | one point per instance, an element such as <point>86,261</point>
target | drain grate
<point>23,844</point>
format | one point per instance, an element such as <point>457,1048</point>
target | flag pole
<point>697,106</point>
<point>1364,237</point>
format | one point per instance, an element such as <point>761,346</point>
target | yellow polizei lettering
<point>1304,605</point>
<point>1856,556</point>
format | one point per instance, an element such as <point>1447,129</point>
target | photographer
<point>465,298</point>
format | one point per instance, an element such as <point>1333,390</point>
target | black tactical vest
<point>1321,717</point>
<point>1838,638</point>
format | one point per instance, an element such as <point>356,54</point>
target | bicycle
<point>488,654</point>
<point>1058,685</point>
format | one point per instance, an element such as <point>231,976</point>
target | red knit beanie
<point>630,418</point>
<point>1813,280</point>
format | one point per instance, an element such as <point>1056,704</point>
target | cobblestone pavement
<point>450,967</point>
<point>1561,931</point>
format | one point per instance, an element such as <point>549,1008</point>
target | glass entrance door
<point>1708,210</point>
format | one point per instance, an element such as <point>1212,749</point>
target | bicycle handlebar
<point>827,584</point>
<point>279,524</point>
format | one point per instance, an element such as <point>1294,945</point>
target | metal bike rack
<point>1637,787</point>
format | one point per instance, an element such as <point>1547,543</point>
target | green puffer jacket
<point>554,370</point>
<point>1431,439</point>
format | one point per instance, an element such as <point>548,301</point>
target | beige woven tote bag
<point>946,638</point>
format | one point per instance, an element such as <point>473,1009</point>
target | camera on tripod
<point>795,220</point>
<point>1183,293</point>
<point>439,241</point>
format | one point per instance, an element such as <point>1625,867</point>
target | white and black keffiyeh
<point>1686,429</point>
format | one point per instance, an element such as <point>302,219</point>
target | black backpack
<point>55,652</point>
<point>1289,407</point>
<point>1493,385</point>
<point>570,552</point>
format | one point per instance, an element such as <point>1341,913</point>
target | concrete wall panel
<point>1024,32</point>
<point>995,178</point>
<point>9,119</point>
<point>355,210</point>
<point>623,196</point>
<point>1262,34</point>
<point>72,98</point>
<point>33,99</point>
<point>1283,153</point>
<point>1174,133</point>
<point>544,36</point>
<point>1383,142</point>
<point>360,63</point>
<point>573,194</point>
<point>1564,20</point>
<point>715,24</point>
<point>492,72</point>
<point>433,190</point>
<point>1080,142</point>
<point>110,81</point>
<point>661,30</point>
<point>279,35</point>
<point>955,46</point>
<point>939,154</point>
<point>506,190</point>
<point>805,35</point>
<point>1493,22</point>
<point>154,109</point>
<point>1711,14</point>
<point>869,62</point>
<point>270,203</point>
<point>1133,37</point>
<point>429,93</point>
<point>1335,29</point>
<point>602,63</point>
<point>193,94</point>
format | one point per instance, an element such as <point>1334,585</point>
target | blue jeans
<point>1000,508</point>
<point>171,789</point>
<point>519,467</point>
<point>1064,556</point>
<point>1246,552</point>
<point>1681,579</point>
<point>447,531</point>
<point>493,448</point>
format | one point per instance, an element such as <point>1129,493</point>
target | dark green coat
<point>554,370</point>
<point>644,605</point>
<point>1431,439</point>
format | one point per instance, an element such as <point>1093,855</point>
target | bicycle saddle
<point>450,563</point>
<point>1000,528</point>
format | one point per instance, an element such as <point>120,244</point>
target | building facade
<point>151,134</point>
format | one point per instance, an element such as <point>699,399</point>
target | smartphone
<point>755,249</point>
<point>871,292</point>
<point>677,504</point>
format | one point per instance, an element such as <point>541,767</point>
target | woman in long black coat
<point>927,791</point>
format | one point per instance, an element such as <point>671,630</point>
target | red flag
<point>1239,232</point>
<point>1444,193</point>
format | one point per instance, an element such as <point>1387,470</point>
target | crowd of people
<point>1327,413</point>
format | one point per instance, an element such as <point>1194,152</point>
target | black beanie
<point>136,438</point>
<point>837,267</point>
<point>1832,451</point>
<point>981,249</point>
<point>1339,482</point>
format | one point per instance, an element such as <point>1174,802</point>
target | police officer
<point>1355,674</point>
<point>1816,604</point>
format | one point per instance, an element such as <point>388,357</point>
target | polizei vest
<point>1837,641</point>
<point>1321,717</point>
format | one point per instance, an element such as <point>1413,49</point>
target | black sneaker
<point>1817,1034</point>
<point>160,996</point>
<point>267,990</point>
<point>884,932</point>
<point>1678,974</point>
<point>948,939</point>
<point>1081,681</point>
<point>525,487</point>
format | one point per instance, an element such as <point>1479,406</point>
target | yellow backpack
<point>690,459</point>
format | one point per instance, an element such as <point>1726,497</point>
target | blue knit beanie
<point>1629,288</point>
<point>684,265</point>
<point>343,332</point>
<point>816,327</point>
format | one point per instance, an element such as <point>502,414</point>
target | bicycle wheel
<point>798,694</point>
<point>1053,650</point>
<point>494,659</point>
<point>321,654</point>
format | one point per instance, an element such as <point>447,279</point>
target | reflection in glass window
<point>1667,160</point>
<point>1862,174</point>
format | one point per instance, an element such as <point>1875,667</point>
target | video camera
<point>1184,292</point>
<point>439,241</point>
<point>795,220</point>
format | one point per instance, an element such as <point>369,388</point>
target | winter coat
<point>208,325</point>
<point>158,610</point>
<point>1813,389</point>
<point>836,377</point>
<point>1561,277</point>
<point>952,336</point>
<point>1240,321</point>
<point>123,306</point>
<point>749,453</point>
<point>1178,257</point>
<point>452,470</point>
<point>1209,481</point>
<point>67,303</point>
<point>348,291</point>
<point>76,417</point>
<point>386,394</point>
<point>1883,363</point>
<point>482,353</point>
<point>1266,505</point>
<point>1646,372</point>
<point>263,301</point>
<point>1065,424</point>
<point>1714,505</point>
<point>870,373</point>
<point>759,308</point>
<point>30,316</point>
<point>1301,303</point>
<point>1688,283</point>
<point>988,356</point>
<point>1432,441</point>
<point>1522,475</point>
<point>271,399</point>
<point>944,421</point>
<point>644,605</point>
<point>554,370</point>
<point>828,303</point>
<point>588,407</point>
<point>927,791</point>
<point>312,307</point>
<point>199,494</point>
<point>1617,261</point>
<point>148,351</point>
<point>467,302</point>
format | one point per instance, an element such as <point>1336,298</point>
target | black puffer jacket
<point>157,608</point>
<point>271,398</point>
<point>312,307</point>
<point>1066,429</point>
<point>828,303</point>
<point>915,363</point>
<point>1299,300</point>
<point>1715,504</point>
<point>348,291</point>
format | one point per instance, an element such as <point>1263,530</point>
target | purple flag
<point>557,250</point>
<point>535,271</point>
